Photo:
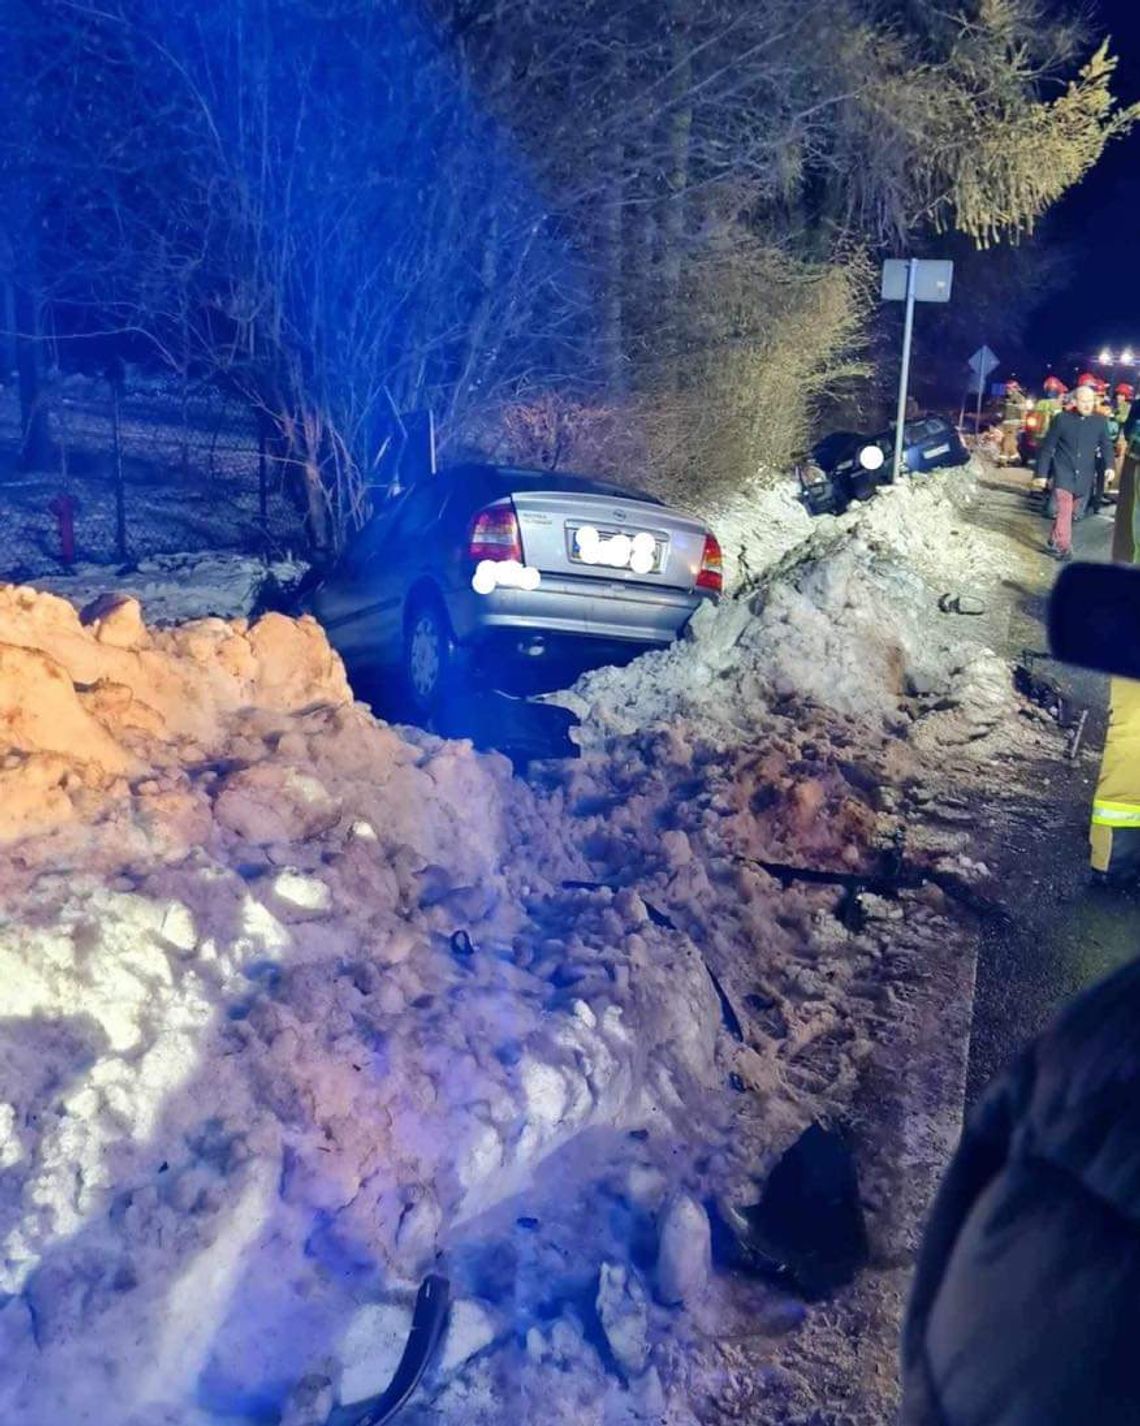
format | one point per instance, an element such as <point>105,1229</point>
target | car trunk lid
<point>604,537</point>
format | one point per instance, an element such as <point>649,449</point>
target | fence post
<point>120,490</point>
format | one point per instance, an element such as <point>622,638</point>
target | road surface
<point>1064,933</point>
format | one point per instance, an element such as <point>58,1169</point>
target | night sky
<point>1100,219</point>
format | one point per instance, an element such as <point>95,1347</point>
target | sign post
<point>981,364</point>
<point>912,280</point>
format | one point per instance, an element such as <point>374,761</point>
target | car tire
<point>429,660</point>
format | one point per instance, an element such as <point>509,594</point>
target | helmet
<point>1123,389</point>
<point>1086,378</point>
<point>1054,384</point>
<point>1012,388</point>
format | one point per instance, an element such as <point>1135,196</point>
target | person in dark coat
<point>1025,1308</point>
<point>1078,445</point>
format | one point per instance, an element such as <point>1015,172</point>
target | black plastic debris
<point>1043,690</point>
<point>429,1320</point>
<point>850,911</point>
<point>961,604</point>
<point>658,917</point>
<point>461,945</point>
<point>808,1231</point>
<point>729,1018</point>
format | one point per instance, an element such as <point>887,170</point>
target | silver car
<point>477,568</point>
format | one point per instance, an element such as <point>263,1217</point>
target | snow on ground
<point>921,519</point>
<point>298,1006</point>
<point>253,1088</point>
<point>179,587</point>
<point>759,524</point>
<point>846,619</point>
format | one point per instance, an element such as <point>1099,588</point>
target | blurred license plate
<point>617,549</point>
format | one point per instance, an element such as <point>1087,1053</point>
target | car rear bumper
<point>607,610</point>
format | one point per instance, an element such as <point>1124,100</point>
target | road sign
<point>983,362</point>
<point>932,280</point>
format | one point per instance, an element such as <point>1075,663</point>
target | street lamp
<point>1105,358</point>
<point>1126,357</point>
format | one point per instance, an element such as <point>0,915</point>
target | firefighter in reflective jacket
<point>1115,833</point>
<point>1013,413</point>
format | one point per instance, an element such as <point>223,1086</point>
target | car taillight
<point>711,573</point>
<point>495,535</point>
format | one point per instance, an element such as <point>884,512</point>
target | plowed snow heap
<point>253,1085</point>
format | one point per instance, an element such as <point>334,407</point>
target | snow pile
<point>758,524</point>
<point>844,627</point>
<point>175,588</point>
<point>295,1006</point>
<point>925,519</point>
<point>842,620</point>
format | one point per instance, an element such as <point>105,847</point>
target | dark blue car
<point>839,470</point>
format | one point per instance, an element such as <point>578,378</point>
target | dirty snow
<point>175,588</point>
<point>846,620</point>
<point>254,1083</point>
<point>921,519</point>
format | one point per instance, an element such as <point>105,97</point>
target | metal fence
<point>142,471</point>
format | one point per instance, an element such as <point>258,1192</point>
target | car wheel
<point>429,655</point>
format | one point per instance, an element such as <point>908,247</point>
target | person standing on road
<point>1076,449</point>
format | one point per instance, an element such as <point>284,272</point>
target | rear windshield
<point>923,430</point>
<point>516,479</point>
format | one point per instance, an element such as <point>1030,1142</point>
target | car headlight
<point>871,457</point>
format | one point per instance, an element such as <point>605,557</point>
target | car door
<point>361,605</point>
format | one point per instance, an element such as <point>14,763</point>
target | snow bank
<point>924,519</point>
<point>844,627</point>
<point>296,1007</point>
<point>845,619</point>
<point>174,588</point>
<point>254,1079</point>
<point>759,524</point>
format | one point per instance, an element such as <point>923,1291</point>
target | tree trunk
<point>613,342</point>
<point>35,433</point>
<point>316,507</point>
<point>8,356</point>
<point>678,134</point>
<point>612,235</point>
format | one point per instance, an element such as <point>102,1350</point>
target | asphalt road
<point>1064,933</point>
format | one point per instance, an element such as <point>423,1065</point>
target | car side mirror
<point>1094,618</point>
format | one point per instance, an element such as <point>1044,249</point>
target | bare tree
<point>343,209</point>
